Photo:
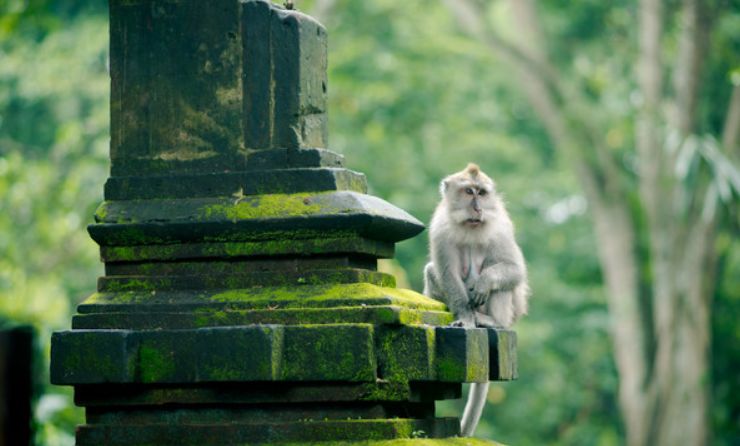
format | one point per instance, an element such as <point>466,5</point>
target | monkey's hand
<point>481,291</point>
<point>476,298</point>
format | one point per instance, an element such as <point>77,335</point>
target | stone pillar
<point>241,302</point>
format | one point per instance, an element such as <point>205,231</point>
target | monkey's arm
<point>446,265</point>
<point>504,270</point>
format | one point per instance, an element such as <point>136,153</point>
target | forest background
<point>561,104</point>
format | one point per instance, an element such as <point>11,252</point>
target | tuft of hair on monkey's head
<point>471,173</point>
<point>473,170</point>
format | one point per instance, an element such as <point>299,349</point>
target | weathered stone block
<point>406,353</point>
<point>284,78</point>
<point>334,243</point>
<point>258,298</point>
<point>84,356</point>
<point>224,354</point>
<point>176,103</point>
<point>462,354</point>
<point>239,281</point>
<point>344,352</point>
<point>503,357</point>
<point>215,317</point>
<point>245,433</point>
<point>292,158</point>
<point>118,395</point>
<point>277,181</point>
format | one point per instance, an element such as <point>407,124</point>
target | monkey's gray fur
<point>476,266</point>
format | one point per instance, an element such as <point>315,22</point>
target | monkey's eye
<point>469,190</point>
<point>482,192</point>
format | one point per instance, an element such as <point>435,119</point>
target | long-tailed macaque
<point>476,267</point>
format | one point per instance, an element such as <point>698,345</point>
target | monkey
<point>289,4</point>
<point>476,266</point>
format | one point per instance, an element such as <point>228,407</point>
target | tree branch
<point>649,79</point>
<point>694,23</point>
<point>470,16</point>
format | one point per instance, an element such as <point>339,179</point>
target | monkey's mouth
<point>473,221</point>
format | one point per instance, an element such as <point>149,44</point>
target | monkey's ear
<point>443,186</point>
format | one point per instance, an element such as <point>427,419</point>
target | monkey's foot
<point>463,323</point>
<point>486,321</point>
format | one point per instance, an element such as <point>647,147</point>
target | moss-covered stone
<point>452,441</point>
<point>503,358</point>
<point>461,354</point>
<point>262,392</point>
<point>313,352</point>
<point>293,243</point>
<point>245,218</point>
<point>407,353</point>
<point>170,282</point>
<point>341,352</point>
<point>214,317</point>
<point>85,356</point>
<point>254,433</point>
<point>402,442</point>
<point>234,184</point>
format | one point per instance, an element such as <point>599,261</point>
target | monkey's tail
<point>473,408</point>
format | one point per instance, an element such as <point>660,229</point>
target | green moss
<point>386,391</point>
<point>402,442</point>
<point>286,242</point>
<point>154,365</point>
<point>450,369</point>
<point>406,353</point>
<point>133,253</point>
<point>263,206</point>
<point>101,212</point>
<point>129,285</point>
<point>304,297</point>
<point>291,297</point>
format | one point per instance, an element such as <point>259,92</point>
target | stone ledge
<point>140,395</point>
<point>249,218</point>
<point>385,314</point>
<point>229,162</point>
<point>250,434</point>
<point>321,353</point>
<point>224,354</point>
<point>456,441</point>
<point>333,244</point>
<point>278,181</point>
<point>259,298</point>
<point>142,283</point>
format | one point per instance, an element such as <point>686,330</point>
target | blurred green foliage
<point>410,101</point>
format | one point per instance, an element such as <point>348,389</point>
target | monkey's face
<point>471,203</point>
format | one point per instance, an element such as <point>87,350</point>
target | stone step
<point>257,298</point>
<point>139,320</point>
<point>209,394</point>
<point>321,353</point>
<point>225,433</point>
<point>227,184</point>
